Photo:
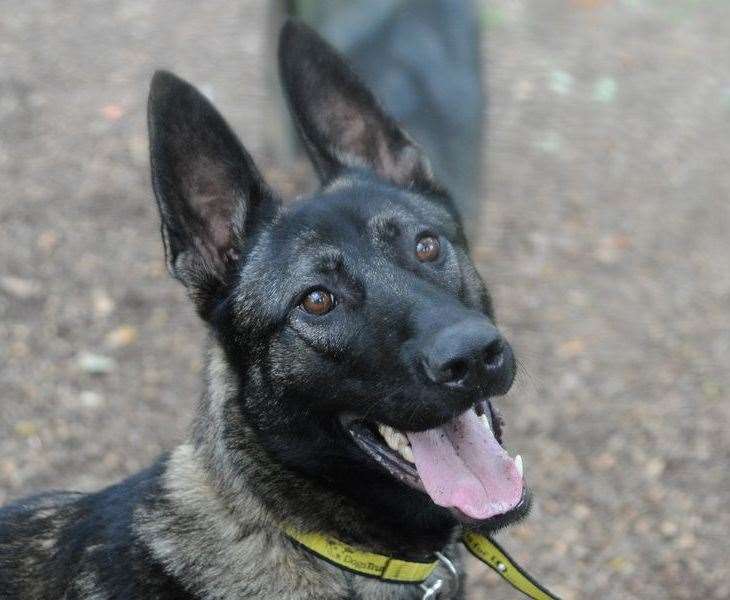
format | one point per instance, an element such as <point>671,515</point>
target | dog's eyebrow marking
<point>330,261</point>
<point>320,255</point>
<point>385,227</point>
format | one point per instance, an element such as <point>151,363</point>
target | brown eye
<point>318,302</point>
<point>428,248</point>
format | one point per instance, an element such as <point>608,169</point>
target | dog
<point>352,357</point>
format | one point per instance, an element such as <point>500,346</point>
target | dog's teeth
<point>519,465</point>
<point>396,441</point>
<point>486,421</point>
<point>389,435</point>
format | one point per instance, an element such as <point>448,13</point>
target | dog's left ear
<point>338,118</point>
<point>210,194</point>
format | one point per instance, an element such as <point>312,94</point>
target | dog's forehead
<point>355,209</point>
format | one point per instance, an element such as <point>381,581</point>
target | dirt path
<point>606,242</point>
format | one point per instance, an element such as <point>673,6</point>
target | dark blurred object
<point>422,59</point>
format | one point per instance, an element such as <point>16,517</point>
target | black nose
<point>467,355</point>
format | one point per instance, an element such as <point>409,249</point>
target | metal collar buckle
<point>431,592</point>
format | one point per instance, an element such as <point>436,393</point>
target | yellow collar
<point>387,568</point>
<point>348,557</point>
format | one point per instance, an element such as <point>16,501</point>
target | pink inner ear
<point>361,136</point>
<point>219,227</point>
<point>401,165</point>
<point>211,197</point>
<point>346,128</point>
<point>216,214</point>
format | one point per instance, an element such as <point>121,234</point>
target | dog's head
<point>363,337</point>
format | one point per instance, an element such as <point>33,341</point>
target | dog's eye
<point>318,302</point>
<point>428,248</point>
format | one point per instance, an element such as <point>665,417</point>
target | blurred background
<point>605,238</point>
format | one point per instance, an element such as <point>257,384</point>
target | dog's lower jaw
<point>235,451</point>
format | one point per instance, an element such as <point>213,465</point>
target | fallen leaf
<point>610,247</point>
<point>112,112</point>
<point>47,240</point>
<point>604,461</point>
<point>669,529</point>
<point>589,3</point>
<point>22,289</point>
<point>103,304</point>
<point>604,90</point>
<point>91,399</point>
<point>655,467</point>
<point>26,428</point>
<point>121,336</point>
<point>551,143</point>
<point>96,364</point>
<point>571,348</point>
<point>619,563</point>
<point>561,82</point>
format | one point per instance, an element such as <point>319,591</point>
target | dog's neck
<point>261,491</point>
<point>222,491</point>
<point>247,554</point>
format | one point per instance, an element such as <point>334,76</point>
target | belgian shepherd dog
<point>352,358</point>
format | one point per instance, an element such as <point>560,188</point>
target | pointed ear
<point>210,195</point>
<point>339,120</point>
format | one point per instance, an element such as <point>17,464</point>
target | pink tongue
<point>462,465</point>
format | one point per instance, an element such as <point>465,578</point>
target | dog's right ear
<point>210,195</point>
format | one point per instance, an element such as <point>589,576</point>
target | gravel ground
<point>606,242</point>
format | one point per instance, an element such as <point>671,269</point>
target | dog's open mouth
<point>461,465</point>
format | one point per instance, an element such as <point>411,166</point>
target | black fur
<point>268,446</point>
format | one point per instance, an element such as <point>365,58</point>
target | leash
<point>486,550</point>
<point>396,570</point>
